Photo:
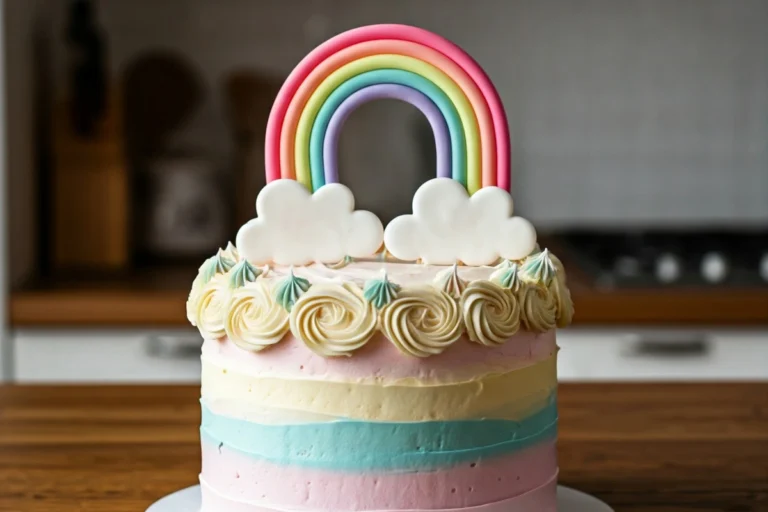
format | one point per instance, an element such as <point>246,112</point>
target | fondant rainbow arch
<point>392,61</point>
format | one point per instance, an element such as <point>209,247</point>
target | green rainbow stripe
<point>436,76</point>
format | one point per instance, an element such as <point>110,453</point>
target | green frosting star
<point>507,277</point>
<point>216,265</point>
<point>380,292</point>
<point>232,251</point>
<point>243,273</point>
<point>290,289</point>
<point>503,264</point>
<point>539,268</point>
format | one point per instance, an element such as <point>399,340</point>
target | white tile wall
<point>645,111</point>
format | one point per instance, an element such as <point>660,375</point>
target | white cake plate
<point>568,500</point>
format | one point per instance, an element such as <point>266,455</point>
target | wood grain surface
<point>639,447</point>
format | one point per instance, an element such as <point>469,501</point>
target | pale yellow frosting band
<point>512,395</point>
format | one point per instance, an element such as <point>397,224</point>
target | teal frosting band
<point>386,76</point>
<point>347,445</point>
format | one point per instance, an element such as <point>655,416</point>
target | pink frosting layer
<point>541,499</point>
<point>255,485</point>
<point>380,359</point>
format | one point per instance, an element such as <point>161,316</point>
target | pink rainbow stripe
<point>374,33</point>
<point>247,480</point>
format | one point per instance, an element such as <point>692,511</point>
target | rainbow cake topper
<point>301,139</point>
<point>305,215</point>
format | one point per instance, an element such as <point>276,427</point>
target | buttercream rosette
<point>422,321</point>
<point>539,307</point>
<point>211,307</point>
<point>491,313</point>
<point>254,320</point>
<point>333,320</point>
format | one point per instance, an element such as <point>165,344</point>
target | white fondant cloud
<point>448,225</point>
<point>294,227</point>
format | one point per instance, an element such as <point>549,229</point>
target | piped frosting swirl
<point>193,299</point>
<point>216,265</point>
<point>422,321</point>
<point>254,319</point>
<point>351,304</point>
<point>450,282</point>
<point>559,289</point>
<point>507,276</point>
<point>380,292</point>
<point>333,320</point>
<point>539,308</point>
<point>243,273</point>
<point>290,289</point>
<point>211,307</point>
<point>538,268</point>
<point>491,313</point>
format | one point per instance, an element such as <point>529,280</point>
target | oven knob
<point>668,268</point>
<point>764,267</point>
<point>714,267</point>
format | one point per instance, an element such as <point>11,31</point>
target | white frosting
<point>295,227</point>
<point>447,225</point>
<point>359,272</point>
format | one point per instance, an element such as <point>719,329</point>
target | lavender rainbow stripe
<point>392,91</point>
<point>324,135</point>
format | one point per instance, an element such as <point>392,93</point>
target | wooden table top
<point>639,447</point>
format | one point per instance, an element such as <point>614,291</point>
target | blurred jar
<point>185,212</point>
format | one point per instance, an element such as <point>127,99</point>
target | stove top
<point>735,258</point>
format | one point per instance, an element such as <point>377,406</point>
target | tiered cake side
<point>419,416</point>
<point>288,429</point>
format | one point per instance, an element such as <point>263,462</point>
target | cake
<point>351,367</point>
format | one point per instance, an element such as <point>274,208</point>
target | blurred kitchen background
<point>132,147</point>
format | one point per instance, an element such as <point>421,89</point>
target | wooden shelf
<point>147,297</point>
<point>88,308</point>
<point>667,307</point>
<point>157,296</point>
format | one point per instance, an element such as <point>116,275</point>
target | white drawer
<point>662,355</point>
<point>585,355</point>
<point>106,356</point>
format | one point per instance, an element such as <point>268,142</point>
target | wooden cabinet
<point>90,186</point>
